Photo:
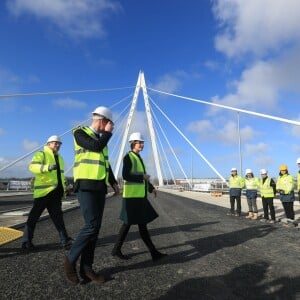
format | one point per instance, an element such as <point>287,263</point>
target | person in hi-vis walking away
<point>136,208</point>
<point>49,188</point>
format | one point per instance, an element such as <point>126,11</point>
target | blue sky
<point>243,54</point>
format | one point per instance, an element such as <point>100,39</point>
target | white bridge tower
<point>141,84</point>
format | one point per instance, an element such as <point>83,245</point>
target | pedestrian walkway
<point>223,201</point>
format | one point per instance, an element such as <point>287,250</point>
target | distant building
<point>202,184</point>
<point>19,185</point>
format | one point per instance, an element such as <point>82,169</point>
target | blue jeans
<point>91,206</point>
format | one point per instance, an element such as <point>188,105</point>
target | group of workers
<point>92,175</point>
<point>284,187</point>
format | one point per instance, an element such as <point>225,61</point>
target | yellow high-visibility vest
<point>236,182</point>
<point>45,181</point>
<point>285,183</point>
<point>252,183</point>
<point>89,164</point>
<point>266,190</point>
<point>135,189</point>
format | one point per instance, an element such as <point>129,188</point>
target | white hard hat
<point>298,160</point>
<point>54,138</point>
<point>135,136</point>
<point>233,169</point>
<point>263,171</point>
<point>248,171</point>
<point>103,111</point>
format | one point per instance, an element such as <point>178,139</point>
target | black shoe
<point>70,271</point>
<point>230,213</point>
<point>90,275</point>
<point>84,277</point>
<point>27,246</point>
<point>156,255</point>
<point>119,254</point>
<point>68,243</point>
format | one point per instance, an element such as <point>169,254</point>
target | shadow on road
<point>244,282</point>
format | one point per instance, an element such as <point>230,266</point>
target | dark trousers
<point>289,209</point>
<point>268,204</point>
<point>238,204</point>
<point>52,202</point>
<point>144,233</point>
<point>91,206</point>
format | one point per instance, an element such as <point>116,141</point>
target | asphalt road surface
<point>210,256</point>
<point>14,202</point>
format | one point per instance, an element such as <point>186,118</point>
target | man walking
<point>49,187</point>
<point>92,174</point>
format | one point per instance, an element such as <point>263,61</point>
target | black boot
<point>116,251</point>
<point>155,254</point>
<point>66,241</point>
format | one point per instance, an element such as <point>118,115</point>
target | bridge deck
<point>211,256</point>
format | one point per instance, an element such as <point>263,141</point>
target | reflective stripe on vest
<point>45,181</point>
<point>89,164</point>
<point>135,189</point>
<point>266,190</point>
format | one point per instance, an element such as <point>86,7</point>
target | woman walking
<point>136,208</point>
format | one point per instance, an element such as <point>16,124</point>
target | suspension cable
<point>232,108</point>
<point>190,143</point>
<point>63,92</point>
<point>171,148</point>
<point>160,142</point>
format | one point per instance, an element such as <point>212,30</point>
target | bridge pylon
<point>141,84</point>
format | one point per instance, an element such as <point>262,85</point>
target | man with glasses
<point>92,173</point>
<point>49,188</point>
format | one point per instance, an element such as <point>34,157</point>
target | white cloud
<point>263,162</point>
<point>173,81</point>
<point>29,145</point>
<point>269,31</point>
<point>255,149</point>
<point>169,83</point>
<point>2,131</point>
<point>76,18</point>
<point>256,26</point>
<point>139,123</point>
<point>227,135</point>
<point>69,103</point>
<point>9,82</point>
<point>260,85</point>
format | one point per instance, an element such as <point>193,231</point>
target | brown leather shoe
<point>94,277</point>
<point>70,272</point>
